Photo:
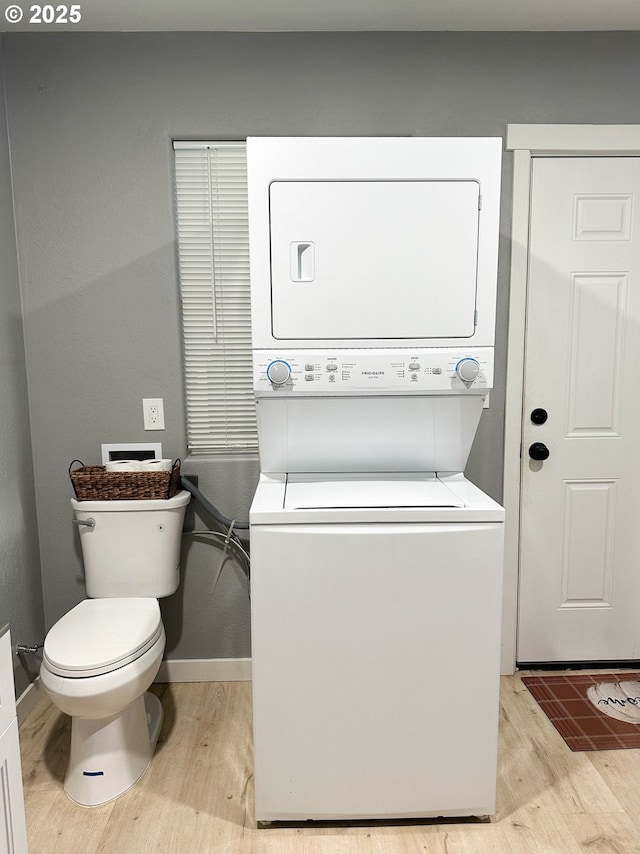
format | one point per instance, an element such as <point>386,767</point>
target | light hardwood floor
<point>196,796</point>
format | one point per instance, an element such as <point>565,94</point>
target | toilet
<point>100,658</point>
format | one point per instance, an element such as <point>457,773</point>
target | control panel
<point>369,371</point>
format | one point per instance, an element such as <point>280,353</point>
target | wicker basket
<point>94,483</point>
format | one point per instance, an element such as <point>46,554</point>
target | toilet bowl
<point>100,658</point>
<point>98,662</point>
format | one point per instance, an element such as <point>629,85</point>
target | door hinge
<point>475,317</point>
<point>479,201</point>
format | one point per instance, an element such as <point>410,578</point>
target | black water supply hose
<point>230,539</point>
<point>208,506</point>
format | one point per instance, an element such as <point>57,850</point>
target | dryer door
<point>373,259</point>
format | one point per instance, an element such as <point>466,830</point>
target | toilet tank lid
<point>99,634</point>
<point>180,499</point>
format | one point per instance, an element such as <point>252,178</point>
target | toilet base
<point>109,755</point>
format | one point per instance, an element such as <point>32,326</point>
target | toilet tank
<point>133,548</point>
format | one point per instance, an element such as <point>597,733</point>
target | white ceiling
<point>333,15</point>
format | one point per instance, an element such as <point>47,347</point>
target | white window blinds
<point>213,246</point>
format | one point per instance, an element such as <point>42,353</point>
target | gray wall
<point>20,584</point>
<point>91,120</point>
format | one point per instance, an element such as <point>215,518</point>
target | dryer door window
<point>373,259</point>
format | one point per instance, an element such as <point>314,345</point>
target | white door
<point>13,830</point>
<point>579,594</point>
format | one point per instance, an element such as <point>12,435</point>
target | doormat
<point>586,708</point>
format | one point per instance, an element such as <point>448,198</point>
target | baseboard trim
<point>27,700</point>
<point>205,670</point>
<point>177,670</point>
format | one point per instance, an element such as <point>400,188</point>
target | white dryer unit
<point>373,242</point>
<point>376,566</point>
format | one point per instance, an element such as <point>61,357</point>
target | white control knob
<point>467,369</point>
<point>278,372</point>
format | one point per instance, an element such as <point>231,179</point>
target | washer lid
<point>371,490</point>
<point>99,635</point>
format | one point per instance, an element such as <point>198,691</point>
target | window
<point>213,247</point>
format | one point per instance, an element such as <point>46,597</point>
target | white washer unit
<point>376,566</point>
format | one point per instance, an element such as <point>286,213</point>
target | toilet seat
<point>102,635</point>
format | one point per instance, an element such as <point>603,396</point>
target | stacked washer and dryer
<point>376,565</point>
